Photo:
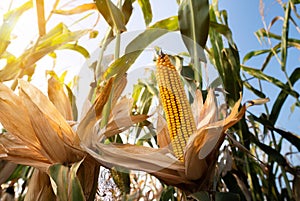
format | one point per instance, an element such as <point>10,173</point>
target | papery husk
<point>197,106</point>
<point>163,136</point>
<point>6,169</point>
<point>57,121</point>
<point>50,126</point>
<point>56,152</point>
<point>117,126</point>
<point>14,118</point>
<point>195,167</point>
<point>151,160</point>
<point>58,97</point>
<point>121,119</point>
<point>201,150</point>
<point>87,125</point>
<point>88,175</point>
<point>38,135</point>
<point>39,187</point>
<point>13,149</point>
<point>208,110</point>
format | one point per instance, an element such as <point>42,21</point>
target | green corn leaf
<point>254,90</point>
<point>273,154</point>
<point>112,14</point>
<point>231,77</point>
<point>120,66</point>
<point>67,183</point>
<point>9,22</point>
<point>263,33</point>
<point>281,98</point>
<point>168,194</point>
<point>127,10</point>
<point>78,48</point>
<point>271,52</point>
<point>121,178</point>
<point>217,46</point>
<point>170,24</point>
<point>53,40</point>
<point>201,196</point>
<point>296,1</point>
<point>224,30</point>
<point>72,99</point>
<point>147,11</point>
<point>251,54</point>
<point>193,18</point>
<point>260,75</point>
<point>144,39</point>
<point>291,137</point>
<point>284,36</point>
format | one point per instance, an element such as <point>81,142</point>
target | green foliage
<point>112,14</point>
<point>67,184</point>
<point>9,22</point>
<point>147,11</point>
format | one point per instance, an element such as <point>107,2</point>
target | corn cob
<point>175,104</point>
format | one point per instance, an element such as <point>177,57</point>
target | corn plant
<point>193,148</point>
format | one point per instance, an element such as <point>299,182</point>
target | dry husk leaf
<point>39,187</point>
<point>58,97</point>
<point>200,155</point>
<point>38,135</point>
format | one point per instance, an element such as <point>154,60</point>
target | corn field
<point>168,112</point>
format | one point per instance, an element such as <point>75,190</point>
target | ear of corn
<point>175,104</point>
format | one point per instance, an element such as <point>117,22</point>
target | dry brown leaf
<point>121,109</point>
<point>51,143</point>
<point>151,160</point>
<point>120,117</point>
<point>121,124</point>
<point>102,98</point>
<point>214,130</point>
<point>41,137</point>
<point>39,187</point>
<point>163,136</point>
<point>6,169</point>
<point>197,106</point>
<point>86,127</point>
<point>207,138</point>
<point>88,175</point>
<point>208,112</point>
<point>41,17</point>
<point>119,87</point>
<point>50,134</point>
<point>14,117</point>
<point>58,97</point>
<point>57,121</point>
<point>13,149</point>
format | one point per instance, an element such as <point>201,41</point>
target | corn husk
<point>197,170</point>
<point>39,135</point>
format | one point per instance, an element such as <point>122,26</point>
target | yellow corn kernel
<point>175,104</point>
